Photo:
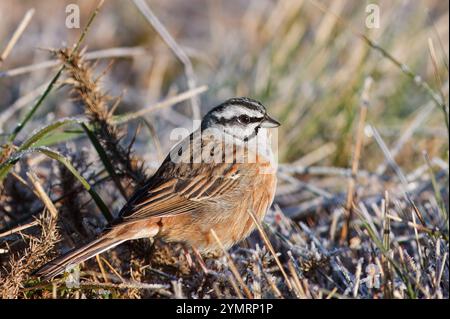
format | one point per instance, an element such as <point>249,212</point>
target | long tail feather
<point>76,256</point>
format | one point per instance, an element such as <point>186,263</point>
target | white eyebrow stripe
<point>236,110</point>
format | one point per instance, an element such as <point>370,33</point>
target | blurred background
<point>307,61</point>
<point>305,65</point>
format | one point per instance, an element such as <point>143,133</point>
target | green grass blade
<point>6,166</point>
<point>31,141</point>
<point>104,158</point>
<point>398,269</point>
<point>36,137</point>
<point>59,137</point>
<point>33,110</point>
<point>65,161</point>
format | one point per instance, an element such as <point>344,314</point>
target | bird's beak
<point>269,122</point>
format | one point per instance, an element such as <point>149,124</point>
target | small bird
<point>210,180</point>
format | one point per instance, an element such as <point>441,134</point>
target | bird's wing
<point>180,188</point>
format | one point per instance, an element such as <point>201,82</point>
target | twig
<point>177,50</point>
<point>16,35</point>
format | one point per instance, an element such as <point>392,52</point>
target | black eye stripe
<point>234,119</point>
<point>255,119</point>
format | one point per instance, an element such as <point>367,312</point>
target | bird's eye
<point>244,119</point>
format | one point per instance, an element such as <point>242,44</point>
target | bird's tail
<point>77,255</point>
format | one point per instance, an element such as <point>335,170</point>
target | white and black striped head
<point>240,117</point>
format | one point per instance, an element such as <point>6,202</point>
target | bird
<point>211,179</point>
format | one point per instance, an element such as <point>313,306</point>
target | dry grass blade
<point>365,101</point>
<point>386,222</point>
<point>434,60</point>
<point>308,62</point>
<point>316,155</point>
<point>36,254</point>
<point>232,266</point>
<point>411,128</point>
<point>390,160</point>
<point>103,287</point>
<point>160,105</point>
<point>270,247</point>
<point>112,269</point>
<point>439,83</point>
<point>154,136</point>
<point>106,136</point>
<point>125,285</point>
<point>437,192</point>
<point>18,229</point>
<point>52,83</point>
<point>403,67</point>
<point>358,278</point>
<point>273,286</point>
<point>416,234</point>
<point>42,194</point>
<point>177,50</point>
<point>20,103</point>
<point>441,271</point>
<point>296,284</point>
<point>119,52</point>
<point>235,287</point>
<point>102,269</point>
<point>16,35</point>
<point>332,293</point>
